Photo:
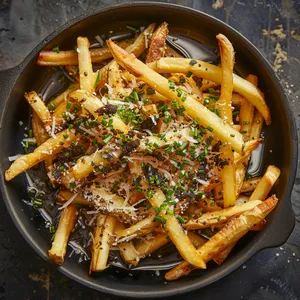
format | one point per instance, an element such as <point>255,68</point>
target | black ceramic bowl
<point>280,141</point>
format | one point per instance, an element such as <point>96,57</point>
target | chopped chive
<point>244,132</point>
<point>235,112</point>
<point>189,74</point>
<point>211,90</point>
<point>210,128</point>
<point>97,79</point>
<point>218,112</point>
<point>232,135</point>
<point>149,194</point>
<point>66,136</point>
<point>52,105</point>
<point>181,219</point>
<point>160,219</point>
<point>131,28</point>
<point>30,133</point>
<point>107,139</point>
<point>246,122</point>
<point>56,49</point>
<point>69,105</point>
<point>72,185</point>
<point>150,91</point>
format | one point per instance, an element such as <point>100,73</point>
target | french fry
<point>250,184</point>
<point>228,176</point>
<point>157,44</point>
<point>38,129</point>
<point>115,81</point>
<point>221,256</point>
<point>87,77</point>
<point>108,230</point>
<point>224,105</point>
<point>208,71</point>
<point>176,233</point>
<point>127,249</point>
<point>139,228</point>
<point>70,57</point>
<point>218,192</point>
<point>219,217</point>
<point>97,242</point>
<point>47,149</point>
<point>64,195</point>
<point>247,112</point>
<point>40,108</point>
<point>147,247</point>
<point>227,62</point>
<point>66,224</point>
<point>265,184</point>
<point>223,132</point>
<point>257,125</point>
<point>233,230</point>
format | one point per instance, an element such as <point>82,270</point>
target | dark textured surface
<point>271,274</point>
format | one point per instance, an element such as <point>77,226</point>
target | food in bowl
<point>149,151</point>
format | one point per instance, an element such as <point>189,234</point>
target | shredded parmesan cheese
<point>68,202</point>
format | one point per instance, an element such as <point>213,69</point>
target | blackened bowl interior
<point>280,142</point>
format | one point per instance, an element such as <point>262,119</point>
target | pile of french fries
<point>154,150</point>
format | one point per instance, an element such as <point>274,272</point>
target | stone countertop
<point>272,273</point>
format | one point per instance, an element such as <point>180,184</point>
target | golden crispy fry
<point>48,148</point>
<point>221,131</point>
<point>265,184</point>
<point>70,58</point>
<point>228,176</point>
<point>218,192</point>
<point>227,62</point>
<point>247,112</point>
<point>208,71</point>
<point>220,216</point>
<point>64,195</point>
<point>40,108</point>
<point>176,233</point>
<point>115,81</point>
<point>97,241</point>
<point>257,125</point>
<point>87,77</point>
<point>140,228</point>
<point>220,257</point>
<point>146,247</point>
<point>127,249</point>
<point>250,184</point>
<point>157,43</point>
<point>259,226</point>
<point>66,224</point>
<point>108,230</point>
<point>38,129</point>
<point>235,229</point>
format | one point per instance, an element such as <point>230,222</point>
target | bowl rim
<point>292,128</point>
